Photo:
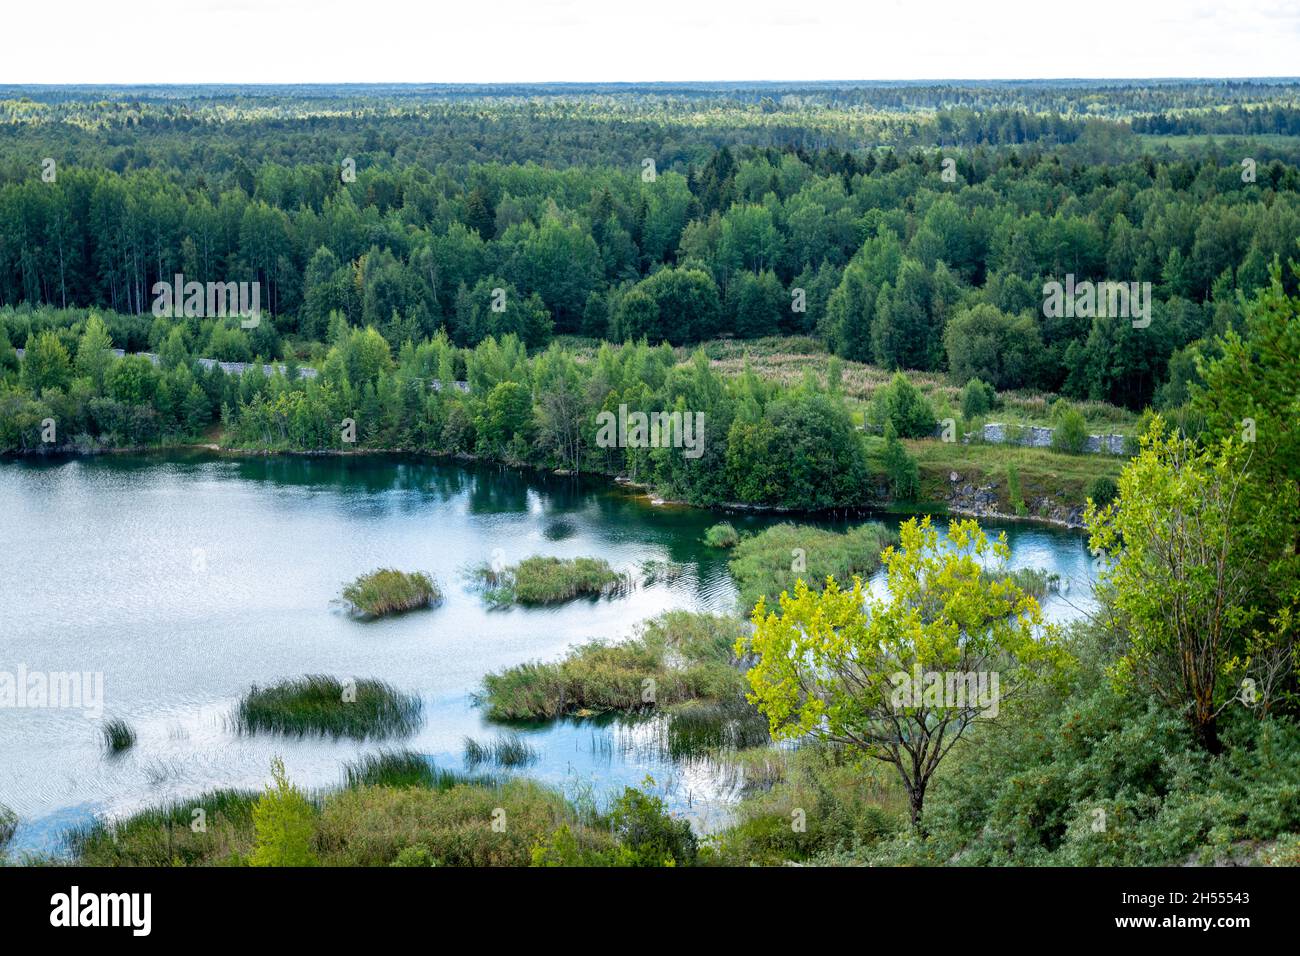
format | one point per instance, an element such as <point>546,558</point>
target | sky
<point>486,41</point>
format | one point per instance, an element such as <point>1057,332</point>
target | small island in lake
<point>386,591</point>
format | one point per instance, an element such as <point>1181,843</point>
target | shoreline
<point>936,507</point>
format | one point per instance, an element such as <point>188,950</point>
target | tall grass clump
<point>506,750</point>
<point>722,535</point>
<point>771,561</point>
<point>386,591</point>
<point>547,580</point>
<point>404,768</point>
<point>119,736</point>
<point>323,705</point>
<point>676,657</point>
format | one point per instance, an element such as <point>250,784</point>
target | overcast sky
<point>472,41</point>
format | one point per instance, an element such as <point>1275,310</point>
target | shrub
<point>901,403</point>
<point>325,705</point>
<point>648,834</point>
<point>844,805</point>
<point>900,467</point>
<point>722,536</point>
<point>978,398</point>
<point>1103,490</point>
<point>578,846</point>
<point>372,826</point>
<point>1014,495</point>
<point>1028,791</point>
<point>1285,852</point>
<point>1069,430</point>
<point>386,591</point>
<point>284,824</point>
<point>417,855</point>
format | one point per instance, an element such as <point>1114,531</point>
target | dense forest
<point>399,236</point>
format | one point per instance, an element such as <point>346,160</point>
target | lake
<point>185,578</point>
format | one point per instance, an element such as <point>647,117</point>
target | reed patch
<point>317,704</point>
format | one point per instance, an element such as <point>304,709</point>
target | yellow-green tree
<point>284,823</point>
<point>1202,578</point>
<point>902,677</point>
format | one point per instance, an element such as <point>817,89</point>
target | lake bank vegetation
<point>419,820</point>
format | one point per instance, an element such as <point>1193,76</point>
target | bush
<point>417,855</point>
<point>978,398</point>
<point>1014,495</point>
<point>1090,775</point>
<point>722,536</point>
<point>812,801</point>
<point>1103,490</point>
<point>902,404</point>
<point>648,834</point>
<point>324,705</point>
<point>386,591</point>
<point>578,846</point>
<point>284,824</point>
<point>1069,430</point>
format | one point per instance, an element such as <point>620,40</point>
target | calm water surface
<point>184,580</point>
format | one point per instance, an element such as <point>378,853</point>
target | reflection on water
<point>184,579</point>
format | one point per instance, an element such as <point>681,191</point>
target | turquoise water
<point>185,579</point>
